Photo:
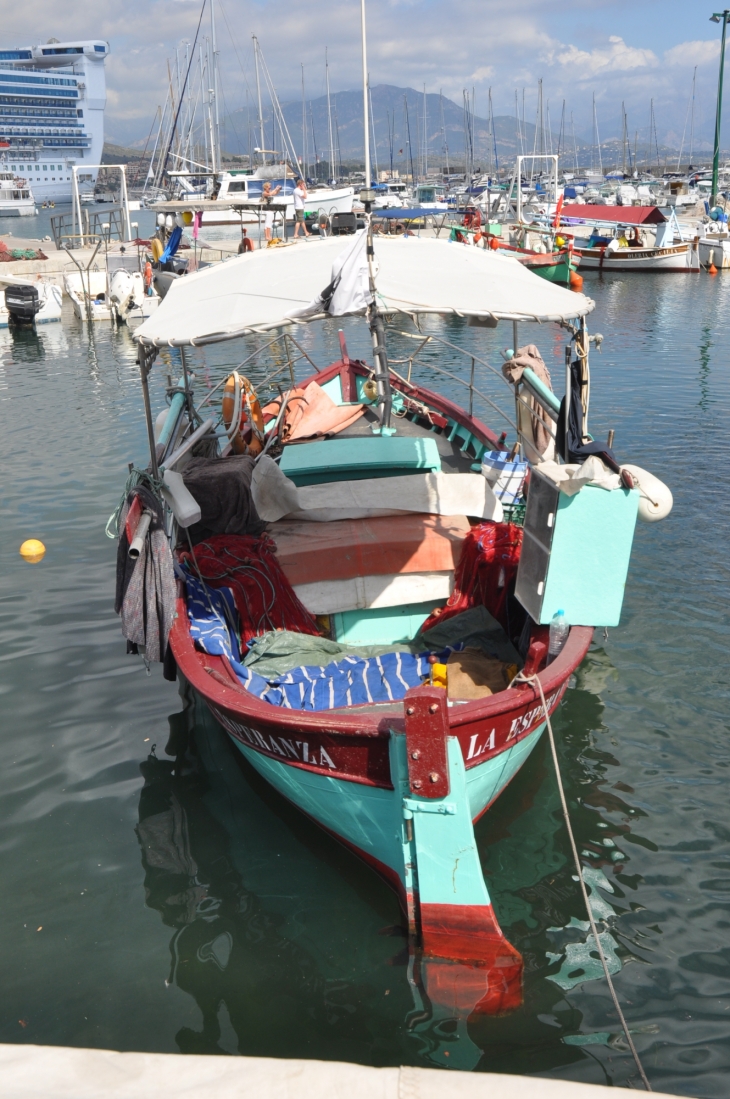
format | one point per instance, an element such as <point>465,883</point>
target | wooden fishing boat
<point>401,774</point>
<point>613,244</point>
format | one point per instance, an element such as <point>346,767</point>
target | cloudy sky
<point>629,50</point>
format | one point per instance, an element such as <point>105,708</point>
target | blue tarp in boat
<point>350,681</point>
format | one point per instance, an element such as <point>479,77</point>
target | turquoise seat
<point>359,458</point>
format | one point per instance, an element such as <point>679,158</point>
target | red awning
<point>617,215</point>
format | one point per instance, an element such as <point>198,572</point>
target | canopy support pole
<point>382,371</point>
<point>145,358</point>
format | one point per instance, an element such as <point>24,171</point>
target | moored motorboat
<point>89,294</point>
<point>29,301</point>
<point>362,615</point>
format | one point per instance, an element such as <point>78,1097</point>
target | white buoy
<point>655,498</point>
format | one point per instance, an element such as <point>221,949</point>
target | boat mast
<point>304,130</point>
<point>425,134</point>
<point>596,137</point>
<point>623,138</point>
<point>408,137</point>
<point>258,93</point>
<point>216,149</point>
<point>443,130</point>
<point>575,147</point>
<point>494,133</point>
<point>329,115</point>
<point>692,121</point>
<point>561,135</point>
<point>690,108</point>
<point>375,320</point>
<point>372,126</point>
<point>314,144</point>
<point>209,104</point>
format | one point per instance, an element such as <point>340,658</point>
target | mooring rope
<point>535,681</point>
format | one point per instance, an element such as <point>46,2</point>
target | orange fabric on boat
<point>380,546</point>
<point>311,411</point>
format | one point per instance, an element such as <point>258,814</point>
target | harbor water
<point>184,907</point>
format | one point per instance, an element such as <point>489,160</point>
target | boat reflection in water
<point>305,950</point>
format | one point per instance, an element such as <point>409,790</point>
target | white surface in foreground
<point>57,1072</point>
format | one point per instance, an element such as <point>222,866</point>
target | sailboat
<point>347,580</point>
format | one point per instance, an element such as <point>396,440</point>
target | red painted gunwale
<point>353,745</point>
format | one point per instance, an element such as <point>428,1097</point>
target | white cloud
<point>688,54</point>
<point>615,57</point>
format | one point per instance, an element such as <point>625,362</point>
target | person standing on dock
<point>300,195</point>
<point>267,196</point>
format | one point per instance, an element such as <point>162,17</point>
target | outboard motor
<point>22,303</point>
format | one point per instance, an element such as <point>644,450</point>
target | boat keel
<point>449,907</point>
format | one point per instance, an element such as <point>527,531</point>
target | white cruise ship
<point>52,100</point>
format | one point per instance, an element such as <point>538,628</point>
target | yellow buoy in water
<point>32,551</point>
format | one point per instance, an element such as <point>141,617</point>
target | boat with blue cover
<point>363,610</point>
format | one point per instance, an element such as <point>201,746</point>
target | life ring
<point>147,276</point>
<point>399,228</point>
<point>240,401</point>
<point>157,249</point>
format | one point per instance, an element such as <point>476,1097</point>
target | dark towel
<point>222,487</point>
<point>579,448</point>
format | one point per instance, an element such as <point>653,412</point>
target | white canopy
<point>278,286</point>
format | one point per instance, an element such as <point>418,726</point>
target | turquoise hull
<point>371,821</point>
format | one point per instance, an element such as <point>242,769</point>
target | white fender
<point>655,501</point>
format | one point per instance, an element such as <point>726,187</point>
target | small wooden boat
<point>400,776</point>
<point>615,242</point>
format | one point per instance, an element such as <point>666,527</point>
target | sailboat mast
<point>372,126</point>
<point>329,114</point>
<point>258,94</point>
<point>216,117</point>
<point>304,130</point>
<point>366,134</point>
<point>692,121</point>
<point>623,138</point>
<point>425,134</point>
<point>443,131</point>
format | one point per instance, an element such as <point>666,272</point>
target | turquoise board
<point>575,553</point>
<point>382,625</point>
<point>359,458</point>
<point>589,559</point>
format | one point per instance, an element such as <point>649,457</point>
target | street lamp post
<point>724,18</point>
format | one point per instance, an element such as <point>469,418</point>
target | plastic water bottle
<point>559,630</point>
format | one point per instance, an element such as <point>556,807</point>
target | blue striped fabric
<point>352,681</point>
